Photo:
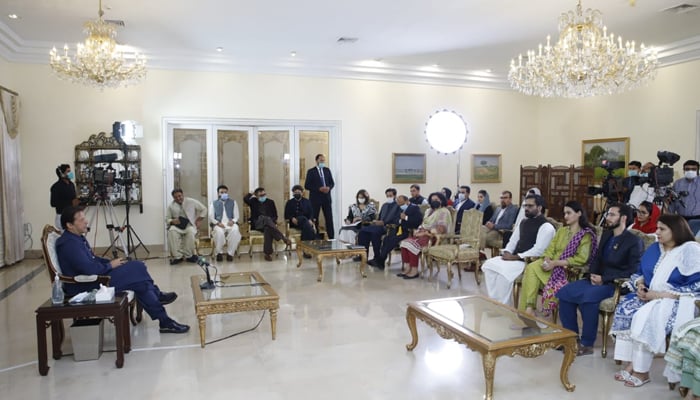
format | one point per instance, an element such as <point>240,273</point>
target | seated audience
<point>647,215</point>
<point>361,213</point>
<point>299,213</point>
<point>437,220</point>
<point>416,198</point>
<point>263,218</point>
<point>530,240</point>
<point>501,220</point>
<point>662,299</point>
<point>573,245</point>
<point>484,206</point>
<point>683,360</point>
<point>372,233</point>
<point>183,217</point>
<point>620,251</point>
<point>409,219</point>
<point>77,258</point>
<point>223,219</point>
<point>448,195</point>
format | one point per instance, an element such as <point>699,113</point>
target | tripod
<point>127,225</point>
<point>116,242</point>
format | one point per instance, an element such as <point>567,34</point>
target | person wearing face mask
<point>300,214</point>
<point>63,192</point>
<point>634,169</point>
<point>373,232</point>
<point>688,189</point>
<point>437,220</point>
<point>223,220</point>
<point>642,191</point>
<point>361,213</point>
<point>464,203</point>
<point>263,218</point>
<point>319,182</point>
<point>410,218</point>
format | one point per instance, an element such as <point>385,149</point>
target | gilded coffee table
<point>331,248</point>
<point>234,292</point>
<point>493,329</point>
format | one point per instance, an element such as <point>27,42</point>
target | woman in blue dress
<point>662,299</point>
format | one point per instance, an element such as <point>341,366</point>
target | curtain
<point>11,205</point>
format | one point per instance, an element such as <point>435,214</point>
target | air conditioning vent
<point>346,40</point>
<point>116,22</point>
<point>681,8</point>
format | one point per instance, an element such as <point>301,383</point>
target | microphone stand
<point>209,284</point>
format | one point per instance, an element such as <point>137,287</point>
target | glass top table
<point>330,248</point>
<point>233,292</point>
<point>493,329</point>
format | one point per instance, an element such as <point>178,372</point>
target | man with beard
<point>503,219</point>
<point>530,240</point>
<point>618,257</point>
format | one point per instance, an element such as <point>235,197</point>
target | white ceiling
<point>453,42</point>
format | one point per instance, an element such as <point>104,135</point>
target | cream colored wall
<point>377,118</point>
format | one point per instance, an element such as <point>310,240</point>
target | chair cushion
<point>443,251</point>
<point>51,247</point>
<point>607,305</point>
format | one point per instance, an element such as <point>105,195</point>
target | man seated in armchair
<point>299,213</point>
<point>76,258</point>
<point>263,218</point>
<point>410,218</point>
<point>372,233</point>
<point>223,219</point>
<point>503,219</point>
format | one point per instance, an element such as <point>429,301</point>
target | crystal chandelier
<point>586,61</point>
<point>97,62</point>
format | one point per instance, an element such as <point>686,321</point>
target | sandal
<point>584,351</point>
<point>622,375</point>
<point>634,381</point>
<point>683,391</point>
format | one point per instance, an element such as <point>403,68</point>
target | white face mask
<point>691,174</point>
<point>389,200</point>
<point>361,200</point>
<point>461,197</point>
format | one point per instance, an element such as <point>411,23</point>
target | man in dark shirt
<point>416,198</point>
<point>410,218</point>
<point>263,218</point>
<point>63,192</point>
<point>372,233</point>
<point>299,213</point>
<point>76,258</point>
<point>319,182</point>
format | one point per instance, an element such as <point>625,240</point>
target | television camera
<point>660,178</point>
<point>612,185</point>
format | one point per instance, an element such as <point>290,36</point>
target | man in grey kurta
<point>183,216</point>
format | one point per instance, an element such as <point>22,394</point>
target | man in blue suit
<point>319,182</point>
<point>410,218</point>
<point>463,204</point>
<point>388,215</point>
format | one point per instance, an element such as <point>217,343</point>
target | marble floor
<point>343,338</point>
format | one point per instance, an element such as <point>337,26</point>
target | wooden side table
<point>50,315</point>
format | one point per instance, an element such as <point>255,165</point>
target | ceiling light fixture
<point>219,49</point>
<point>585,61</point>
<point>293,54</point>
<point>97,62</point>
<point>12,16</point>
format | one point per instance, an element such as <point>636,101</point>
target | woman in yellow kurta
<point>573,245</point>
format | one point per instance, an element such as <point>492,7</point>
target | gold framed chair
<point>251,236</point>
<point>49,236</point>
<point>461,248</point>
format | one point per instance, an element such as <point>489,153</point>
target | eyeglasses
<point>504,197</point>
<point>529,205</point>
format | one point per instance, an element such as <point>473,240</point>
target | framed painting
<point>606,155</point>
<point>486,168</point>
<point>408,168</point>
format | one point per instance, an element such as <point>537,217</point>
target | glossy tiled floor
<point>343,338</point>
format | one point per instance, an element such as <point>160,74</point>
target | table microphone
<point>209,284</point>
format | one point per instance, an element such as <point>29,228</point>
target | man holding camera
<point>183,217</point>
<point>687,203</point>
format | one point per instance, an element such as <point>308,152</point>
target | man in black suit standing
<point>319,182</point>
<point>410,218</point>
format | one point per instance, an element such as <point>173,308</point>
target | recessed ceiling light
<point>436,65</point>
<point>293,54</point>
<point>219,49</point>
<point>12,16</point>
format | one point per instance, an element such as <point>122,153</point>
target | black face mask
<point>435,204</point>
<point>297,196</point>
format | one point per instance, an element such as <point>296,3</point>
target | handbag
<point>183,222</point>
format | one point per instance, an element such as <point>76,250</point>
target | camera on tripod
<point>612,185</point>
<point>661,178</point>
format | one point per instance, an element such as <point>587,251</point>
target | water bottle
<point>57,291</point>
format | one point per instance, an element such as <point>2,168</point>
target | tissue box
<point>105,294</point>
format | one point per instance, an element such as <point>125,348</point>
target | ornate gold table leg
<point>319,262</point>
<point>489,362</point>
<point>569,355</point>
<point>299,256</point>
<point>411,321</point>
<point>202,328</point>
<point>363,264</point>
<point>273,322</point>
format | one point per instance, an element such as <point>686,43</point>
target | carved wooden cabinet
<point>104,169</point>
<point>559,185</point>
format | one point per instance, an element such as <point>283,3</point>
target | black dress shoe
<point>268,257</point>
<point>219,257</point>
<point>229,257</point>
<point>193,258</point>
<point>307,255</point>
<point>401,274</point>
<point>411,276</point>
<point>167,297</point>
<point>171,326</point>
<point>175,261</point>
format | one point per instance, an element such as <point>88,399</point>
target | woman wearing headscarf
<point>647,215</point>
<point>484,206</point>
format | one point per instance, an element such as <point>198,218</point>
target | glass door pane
<point>190,170</point>
<point>233,163</point>
<point>273,166</point>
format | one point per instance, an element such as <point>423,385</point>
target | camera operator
<point>63,192</point>
<point>687,202</point>
<point>632,179</point>
<point>642,190</point>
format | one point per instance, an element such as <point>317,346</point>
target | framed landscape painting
<point>486,168</point>
<point>408,168</point>
<point>599,153</point>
